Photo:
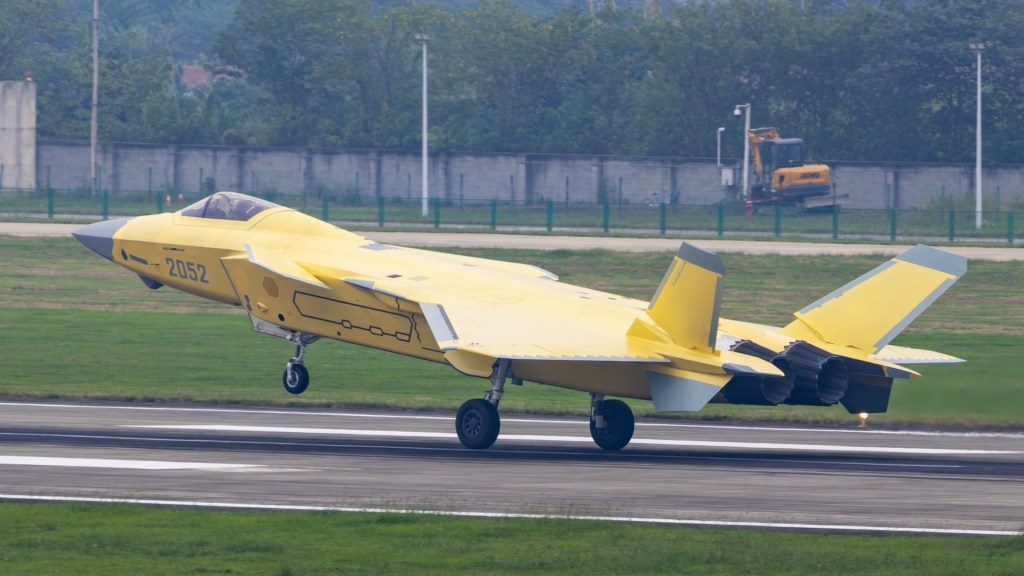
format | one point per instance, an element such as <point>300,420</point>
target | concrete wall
<point>18,134</point>
<point>518,178</point>
<point>457,177</point>
<point>933,186</point>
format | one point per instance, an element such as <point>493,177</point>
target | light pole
<point>977,48</point>
<point>93,120</point>
<point>746,147</point>
<point>425,185</point>
<point>718,155</point>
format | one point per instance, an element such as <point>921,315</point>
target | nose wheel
<point>296,378</point>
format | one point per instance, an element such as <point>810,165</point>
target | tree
<point>879,80</point>
<point>281,45</point>
<point>26,26</point>
<point>502,52</point>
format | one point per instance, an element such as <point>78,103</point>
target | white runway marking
<point>472,514</point>
<point>118,464</point>
<point>540,438</point>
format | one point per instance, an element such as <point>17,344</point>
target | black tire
<point>619,424</point>
<point>477,424</point>
<point>296,378</point>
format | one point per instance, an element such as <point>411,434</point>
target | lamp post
<point>977,48</point>
<point>746,147</point>
<point>425,185</point>
<point>718,155</point>
<point>94,115</point>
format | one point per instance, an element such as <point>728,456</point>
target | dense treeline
<point>865,81</point>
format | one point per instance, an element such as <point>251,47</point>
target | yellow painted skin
<point>576,336</point>
<point>307,276</point>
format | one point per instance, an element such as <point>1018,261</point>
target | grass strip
<point>170,357</point>
<point>79,327</point>
<point>86,539</point>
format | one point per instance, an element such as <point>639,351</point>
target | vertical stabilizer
<point>870,311</point>
<point>687,303</point>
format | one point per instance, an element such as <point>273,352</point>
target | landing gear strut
<point>611,422</point>
<point>477,422</point>
<point>296,377</point>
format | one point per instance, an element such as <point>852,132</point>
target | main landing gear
<point>611,422</point>
<point>477,423</point>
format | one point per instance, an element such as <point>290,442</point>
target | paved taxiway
<point>834,479</point>
<point>620,244</point>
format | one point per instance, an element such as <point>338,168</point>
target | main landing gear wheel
<point>477,424</point>
<point>611,424</point>
<point>296,378</point>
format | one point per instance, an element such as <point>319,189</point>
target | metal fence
<point>721,219</point>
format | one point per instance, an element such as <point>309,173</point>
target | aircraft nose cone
<point>99,237</point>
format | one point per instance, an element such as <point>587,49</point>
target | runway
<point>677,473</point>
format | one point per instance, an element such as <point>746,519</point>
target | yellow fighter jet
<point>303,279</point>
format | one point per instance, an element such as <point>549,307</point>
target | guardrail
<point>723,219</point>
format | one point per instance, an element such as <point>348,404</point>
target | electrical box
<point>727,177</point>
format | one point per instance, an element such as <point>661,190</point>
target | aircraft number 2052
<point>186,270</point>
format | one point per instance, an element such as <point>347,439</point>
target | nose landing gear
<point>296,376</point>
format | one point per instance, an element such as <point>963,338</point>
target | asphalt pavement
<point>788,477</point>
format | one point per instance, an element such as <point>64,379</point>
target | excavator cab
<point>783,152</point>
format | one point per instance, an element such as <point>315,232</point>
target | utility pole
<point>425,185</point>
<point>977,48</point>
<point>93,124</point>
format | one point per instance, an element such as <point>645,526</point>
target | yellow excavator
<point>781,177</point>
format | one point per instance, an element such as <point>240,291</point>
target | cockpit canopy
<point>228,206</point>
